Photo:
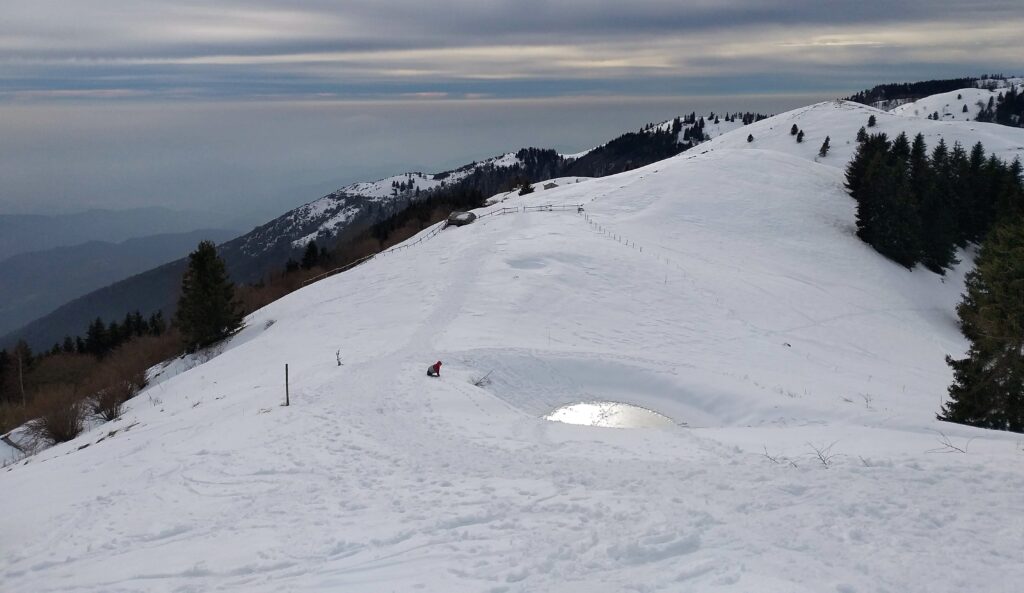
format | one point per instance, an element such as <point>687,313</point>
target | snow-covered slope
<point>723,288</point>
<point>840,121</point>
<point>322,219</point>
<point>950,106</point>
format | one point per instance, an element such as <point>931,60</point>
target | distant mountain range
<point>35,283</point>
<point>24,233</point>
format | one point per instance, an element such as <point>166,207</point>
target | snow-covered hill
<point>950,106</point>
<point>324,219</point>
<point>723,288</point>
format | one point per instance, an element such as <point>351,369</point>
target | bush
<point>58,415</point>
<point>108,404</point>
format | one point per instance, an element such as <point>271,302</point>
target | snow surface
<point>538,189</point>
<point>948,106</point>
<point>723,288</point>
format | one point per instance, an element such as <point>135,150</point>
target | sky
<point>254,106</point>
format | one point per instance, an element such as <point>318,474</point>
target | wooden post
<point>286,398</point>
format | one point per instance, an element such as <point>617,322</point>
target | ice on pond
<point>609,414</point>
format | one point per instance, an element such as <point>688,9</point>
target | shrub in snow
<point>58,413</point>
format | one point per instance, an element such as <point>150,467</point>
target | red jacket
<point>436,367</point>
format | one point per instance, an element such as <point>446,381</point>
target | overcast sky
<point>256,105</point>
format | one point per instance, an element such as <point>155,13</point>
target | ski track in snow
<point>762,342</point>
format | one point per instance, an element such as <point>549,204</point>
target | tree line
<point>910,90</point>
<point>919,207</point>
<point>1006,108</point>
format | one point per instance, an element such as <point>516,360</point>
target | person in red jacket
<point>434,370</point>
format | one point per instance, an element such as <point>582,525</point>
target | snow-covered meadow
<point>723,288</point>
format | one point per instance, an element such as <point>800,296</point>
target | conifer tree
<point>872,121</point>
<point>959,174</point>
<point>938,215</point>
<point>823,151</point>
<point>311,257</point>
<point>793,131</point>
<point>800,136</point>
<point>750,137</point>
<point>887,218</point>
<point>156,324</point>
<point>5,374</point>
<point>976,203</point>
<point>207,309</point>
<point>1009,192</point>
<point>988,387</point>
<point>862,134</point>
<point>96,339</point>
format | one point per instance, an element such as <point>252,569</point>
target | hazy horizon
<point>255,159</point>
<point>252,107</point>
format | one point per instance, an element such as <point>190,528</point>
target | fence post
<point>287,399</point>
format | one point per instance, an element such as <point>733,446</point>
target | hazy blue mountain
<point>24,233</point>
<point>34,284</point>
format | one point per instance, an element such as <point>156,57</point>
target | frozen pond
<point>609,414</point>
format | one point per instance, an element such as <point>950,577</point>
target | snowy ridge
<point>950,106</point>
<point>803,369</point>
<point>322,219</point>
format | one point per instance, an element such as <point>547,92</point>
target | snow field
<point>752,315</point>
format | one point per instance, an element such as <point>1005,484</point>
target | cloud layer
<point>254,106</point>
<point>452,48</point>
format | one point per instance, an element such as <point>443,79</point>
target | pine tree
<point>156,324</point>
<point>800,136</point>
<point>938,215</point>
<point>6,393</point>
<point>988,387</point>
<point>878,178</point>
<point>207,309</point>
<point>96,339</point>
<point>311,257</point>
<point>976,203</point>
<point>750,137</point>
<point>959,171</point>
<point>794,130</point>
<point>823,151</point>
<point>856,175</point>
<point>872,121</point>
<point>527,188</point>
<point>1010,193</point>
